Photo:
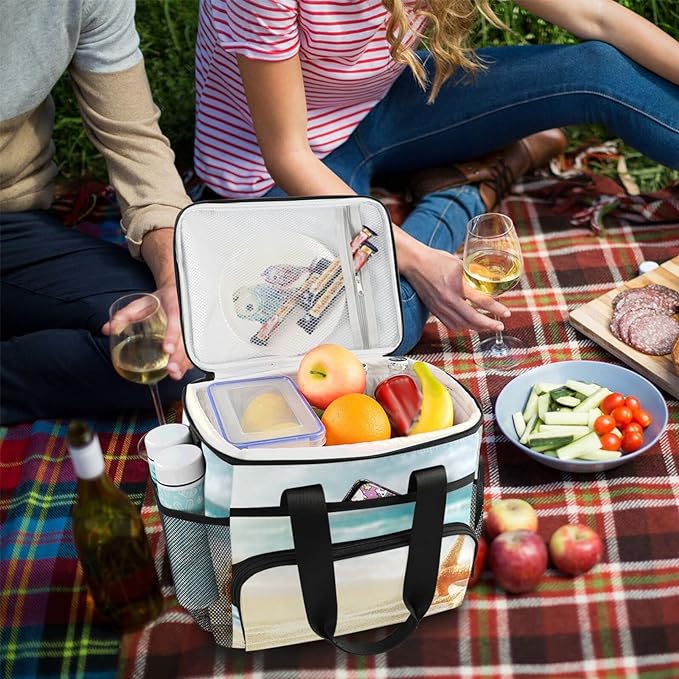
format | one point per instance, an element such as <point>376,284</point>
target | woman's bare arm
<point>609,21</point>
<point>275,94</point>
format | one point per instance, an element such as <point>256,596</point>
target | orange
<point>355,418</point>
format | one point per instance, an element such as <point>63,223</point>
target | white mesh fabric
<point>241,264</point>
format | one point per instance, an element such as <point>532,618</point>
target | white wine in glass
<point>138,325</point>
<point>493,264</point>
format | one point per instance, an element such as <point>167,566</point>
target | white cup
<point>162,437</point>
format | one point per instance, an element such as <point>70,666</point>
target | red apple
<point>575,548</point>
<point>327,372</point>
<point>479,562</point>
<point>518,560</point>
<point>511,514</point>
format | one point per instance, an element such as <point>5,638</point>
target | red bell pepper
<point>401,399</point>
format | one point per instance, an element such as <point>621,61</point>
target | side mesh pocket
<point>199,552</point>
<point>476,514</point>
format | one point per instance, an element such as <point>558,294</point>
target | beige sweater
<point>122,122</point>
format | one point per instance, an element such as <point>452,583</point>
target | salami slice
<point>672,296</point>
<point>632,318</point>
<point>655,335</point>
<point>646,298</point>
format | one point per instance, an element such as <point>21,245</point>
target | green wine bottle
<point>110,540</point>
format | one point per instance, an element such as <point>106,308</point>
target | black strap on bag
<point>313,548</point>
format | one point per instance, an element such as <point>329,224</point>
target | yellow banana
<point>437,403</point>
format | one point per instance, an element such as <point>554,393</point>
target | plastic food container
<point>264,412</point>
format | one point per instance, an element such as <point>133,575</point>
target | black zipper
<point>345,550</point>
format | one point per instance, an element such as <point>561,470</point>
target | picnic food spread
<point>578,420</point>
<point>330,381</point>
<point>643,318</point>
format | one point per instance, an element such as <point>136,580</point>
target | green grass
<point>167,29</point>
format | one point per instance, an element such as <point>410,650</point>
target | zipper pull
<point>359,286</point>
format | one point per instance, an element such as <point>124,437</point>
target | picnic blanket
<point>620,620</point>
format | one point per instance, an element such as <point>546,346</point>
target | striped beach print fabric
<point>346,68</point>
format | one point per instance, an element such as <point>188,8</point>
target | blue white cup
<point>180,478</point>
<point>159,438</point>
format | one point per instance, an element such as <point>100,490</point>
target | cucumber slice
<point>593,401</point>
<point>519,424</point>
<point>569,417</point>
<point>549,441</point>
<point>556,394</point>
<point>565,429</point>
<point>569,401</point>
<point>582,387</point>
<point>585,444</point>
<point>543,405</point>
<point>600,455</point>
<point>545,387</point>
<point>531,405</point>
<point>551,453</point>
<point>617,432</point>
<point>530,425</point>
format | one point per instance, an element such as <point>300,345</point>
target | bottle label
<point>88,461</point>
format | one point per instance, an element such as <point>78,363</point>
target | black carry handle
<point>313,548</point>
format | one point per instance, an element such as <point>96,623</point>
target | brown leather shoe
<point>495,173</point>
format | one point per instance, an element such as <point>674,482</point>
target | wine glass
<point>493,264</point>
<point>138,325</point>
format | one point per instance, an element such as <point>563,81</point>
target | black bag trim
<point>313,548</point>
<point>249,567</point>
<point>188,516</point>
<point>420,446</point>
<point>352,505</point>
<point>282,199</point>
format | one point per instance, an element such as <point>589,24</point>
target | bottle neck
<point>88,460</point>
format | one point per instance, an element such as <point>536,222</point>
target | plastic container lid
<point>179,465</point>
<point>264,412</point>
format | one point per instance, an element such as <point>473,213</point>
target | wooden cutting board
<point>592,319</point>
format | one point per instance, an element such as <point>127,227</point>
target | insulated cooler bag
<point>301,541</point>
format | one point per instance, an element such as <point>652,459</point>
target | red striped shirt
<point>346,67</point>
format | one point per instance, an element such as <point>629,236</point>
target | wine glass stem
<point>499,340</point>
<point>160,414</point>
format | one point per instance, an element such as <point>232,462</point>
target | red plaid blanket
<point>620,620</point>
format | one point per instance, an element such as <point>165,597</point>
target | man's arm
<point>609,21</point>
<point>121,119</point>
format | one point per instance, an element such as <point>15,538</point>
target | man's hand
<point>157,253</point>
<point>437,277</point>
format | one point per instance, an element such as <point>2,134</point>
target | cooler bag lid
<point>264,278</point>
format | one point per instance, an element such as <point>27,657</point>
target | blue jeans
<point>56,287</point>
<point>522,91</point>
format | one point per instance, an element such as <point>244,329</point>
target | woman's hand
<point>437,277</point>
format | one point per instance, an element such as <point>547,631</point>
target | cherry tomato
<point>643,417</point>
<point>604,424</point>
<point>632,402</point>
<point>611,402</point>
<point>632,426</point>
<point>610,442</point>
<point>622,416</point>
<point>632,441</point>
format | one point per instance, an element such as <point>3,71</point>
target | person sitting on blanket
<point>57,283</point>
<point>305,97</point>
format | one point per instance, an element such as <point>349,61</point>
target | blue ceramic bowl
<point>515,394</point>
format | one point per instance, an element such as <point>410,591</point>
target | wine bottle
<point>110,540</point>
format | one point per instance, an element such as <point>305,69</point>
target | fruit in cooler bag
<point>437,403</point>
<point>412,410</point>
<point>401,399</point>
<point>327,372</point>
<point>355,418</point>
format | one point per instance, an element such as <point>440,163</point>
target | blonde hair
<point>450,23</point>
